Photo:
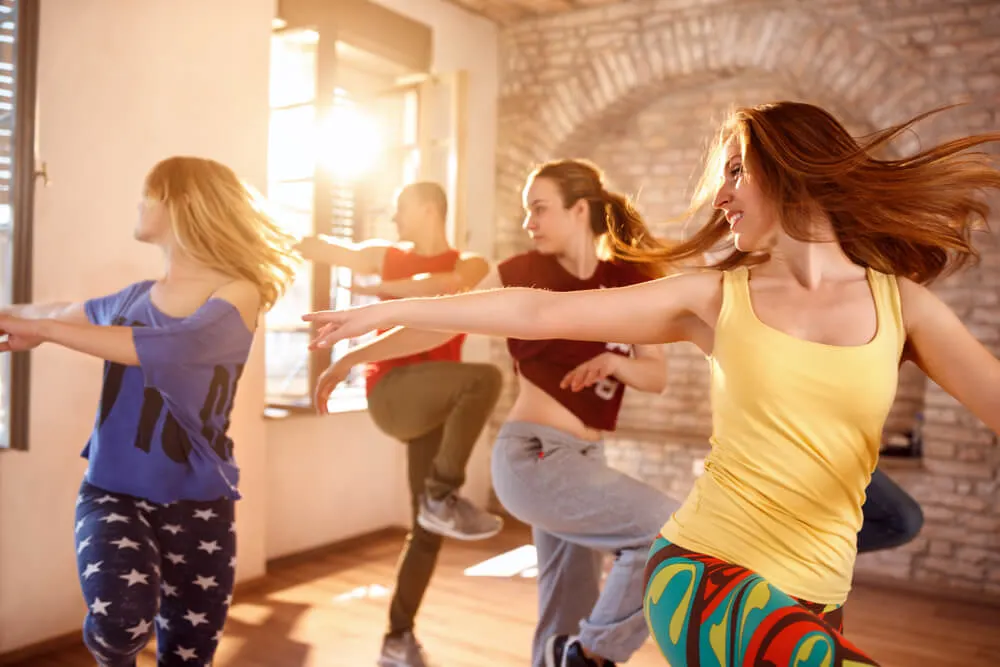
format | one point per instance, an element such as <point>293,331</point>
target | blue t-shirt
<point>161,431</point>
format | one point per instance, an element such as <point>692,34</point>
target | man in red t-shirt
<point>432,401</point>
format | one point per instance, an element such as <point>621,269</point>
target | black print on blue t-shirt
<point>175,441</point>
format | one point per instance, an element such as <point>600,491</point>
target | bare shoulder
<point>917,302</point>
<point>244,296</point>
<point>696,291</point>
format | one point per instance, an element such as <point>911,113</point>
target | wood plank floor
<point>329,610</point>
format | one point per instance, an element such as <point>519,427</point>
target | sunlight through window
<point>372,592</point>
<point>522,562</point>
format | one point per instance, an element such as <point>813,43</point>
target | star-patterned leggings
<point>144,566</point>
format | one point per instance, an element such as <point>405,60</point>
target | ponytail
<point>623,227</point>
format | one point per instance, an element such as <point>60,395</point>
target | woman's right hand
<point>328,381</point>
<point>337,325</point>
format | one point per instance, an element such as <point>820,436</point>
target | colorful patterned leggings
<point>704,612</point>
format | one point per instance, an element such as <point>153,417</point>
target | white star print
<point>173,528</point>
<point>205,515</point>
<point>106,499</point>
<point>232,562</point>
<point>139,630</point>
<point>142,518</point>
<point>156,569</point>
<point>134,577</point>
<point>152,545</point>
<point>232,527</point>
<point>168,590</point>
<point>79,499</point>
<point>209,547</point>
<point>114,517</point>
<point>218,636</point>
<point>205,582</point>
<point>162,622</point>
<point>99,606</point>
<point>92,568</point>
<point>143,505</point>
<point>186,653</point>
<point>83,545</point>
<point>79,525</point>
<point>176,559</point>
<point>125,543</point>
<point>229,599</point>
<point>100,640</point>
<point>195,619</point>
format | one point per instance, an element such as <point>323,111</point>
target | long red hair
<point>911,217</point>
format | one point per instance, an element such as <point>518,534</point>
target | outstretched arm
<point>67,311</point>
<point>117,343</point>
<point>949,354</point>
<point>363,258</point>
<point>646,313</point>
<point>469,271</point>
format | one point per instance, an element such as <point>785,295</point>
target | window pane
<point>291,144</point>
<point>293,67</point>
<point>287,367</point>
<point>292,204</point>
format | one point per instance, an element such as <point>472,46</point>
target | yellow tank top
<point>796,427</point>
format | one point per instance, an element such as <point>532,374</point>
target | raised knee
<point>911,519</point>
<point>489,378</point>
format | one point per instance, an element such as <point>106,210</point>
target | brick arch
<point>851,69</point>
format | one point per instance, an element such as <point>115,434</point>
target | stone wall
<point>639,87</point>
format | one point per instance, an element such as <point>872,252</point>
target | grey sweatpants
<point>578,507</point>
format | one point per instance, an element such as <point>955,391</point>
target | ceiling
<point>509,11</point>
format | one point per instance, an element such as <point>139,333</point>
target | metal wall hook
<point>43,173</point>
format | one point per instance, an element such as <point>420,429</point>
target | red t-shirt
<point>399,264</point>
<point>545,362</point>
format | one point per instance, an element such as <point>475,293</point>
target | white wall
<point>334,477</point>
<point>122,84</point>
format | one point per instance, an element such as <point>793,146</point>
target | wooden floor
<point>329,610</point>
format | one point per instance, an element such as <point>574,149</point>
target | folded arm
<point>646,371</point>
<point>469,272</point>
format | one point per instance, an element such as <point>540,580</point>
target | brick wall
<point>638,87</point>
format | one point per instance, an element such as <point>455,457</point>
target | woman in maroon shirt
<point>549,468</point>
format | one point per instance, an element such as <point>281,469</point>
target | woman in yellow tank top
<point>805,322</point>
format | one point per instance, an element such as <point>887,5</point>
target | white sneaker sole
<point>550,652</point>
<point>445,530</point>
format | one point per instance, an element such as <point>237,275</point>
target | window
<point>18,59</point>
<point>333,169</point>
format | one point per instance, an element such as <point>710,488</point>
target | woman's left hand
<point>337,325</point>
<point>22,334</point>
<point>591,372</point>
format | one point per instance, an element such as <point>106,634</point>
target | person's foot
<point>566,651</point>
<point>402,651</point>
<point>454,516</point>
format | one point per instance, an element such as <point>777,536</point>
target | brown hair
<point>911,217</point>
<point>613,217</point>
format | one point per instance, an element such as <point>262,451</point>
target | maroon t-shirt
<point>545,362</point>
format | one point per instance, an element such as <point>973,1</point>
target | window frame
<point>27,18</point>
<point>333,25</point>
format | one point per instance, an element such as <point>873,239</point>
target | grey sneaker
<point>402,651</point>
<point>454,516</point>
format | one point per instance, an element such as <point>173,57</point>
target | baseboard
<point>72,639</point>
